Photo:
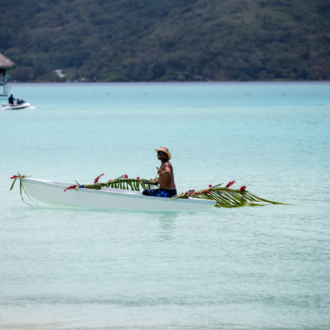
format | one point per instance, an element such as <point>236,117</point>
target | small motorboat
<point>124,193</point>
<point>16,106</point>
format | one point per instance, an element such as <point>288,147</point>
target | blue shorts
<point>160,192</point>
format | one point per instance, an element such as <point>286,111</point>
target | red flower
<point>229,184</point>
<point>14,177</point>
<point>210,186</point>
<point>97,179</point>
<point>150,180</point>
<point>207,192</point>
<point>186,193</point>
<point>138,178</point>
<point>196,193</point>
<point>242,188</point>
<point>71,187</point>
<point>126,176</point>
<point>109,180</point>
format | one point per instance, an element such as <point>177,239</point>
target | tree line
<point>167,40</point>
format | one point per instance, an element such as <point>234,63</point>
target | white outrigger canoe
<point>52,193</point>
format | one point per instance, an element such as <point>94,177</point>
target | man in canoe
<point>166,176</point>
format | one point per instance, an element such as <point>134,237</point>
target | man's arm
<point>166,170</point>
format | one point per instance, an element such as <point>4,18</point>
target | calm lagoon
<point>249,268</point>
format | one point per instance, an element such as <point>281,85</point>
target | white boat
<point>15,106</point>
<point>51,192</point>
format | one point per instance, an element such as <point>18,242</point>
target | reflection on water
<point>167,224</point>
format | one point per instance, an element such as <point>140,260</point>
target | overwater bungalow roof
<point>6,63</point>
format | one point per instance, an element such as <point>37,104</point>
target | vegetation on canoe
<point>224,196</point>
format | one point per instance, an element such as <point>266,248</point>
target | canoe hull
<point>52,193</point>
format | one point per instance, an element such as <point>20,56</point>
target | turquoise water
<point>249,268</point>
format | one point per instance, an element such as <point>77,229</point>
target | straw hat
<point>164,149</point>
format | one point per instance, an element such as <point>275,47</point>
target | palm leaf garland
<point>122,182</point>
<point>224,196</point>
<point>227,197</point>
<point>21,177</point>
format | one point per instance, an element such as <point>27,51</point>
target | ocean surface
<point>248,268</point>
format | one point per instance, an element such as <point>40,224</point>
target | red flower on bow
<point>242,188</point>
<point>138,178</point>
<point>97,179</point>
<point>207,192</point>
<point>126,176</point>
<point>14,177</point>
<point>71,187</point>
<point>229,184</point>
<point>210,186</point>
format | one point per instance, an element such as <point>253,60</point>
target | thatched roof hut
<point>6,63</point>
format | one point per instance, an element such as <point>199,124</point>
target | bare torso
<point>166,176</point>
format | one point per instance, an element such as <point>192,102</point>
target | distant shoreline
<point>175,82</point>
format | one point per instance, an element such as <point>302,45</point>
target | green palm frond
<point>227,197</point>
<point>21,177</point>
<point>122,183</point>
<point>224,197</point>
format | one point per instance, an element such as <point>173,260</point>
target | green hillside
<point>166,40</point>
